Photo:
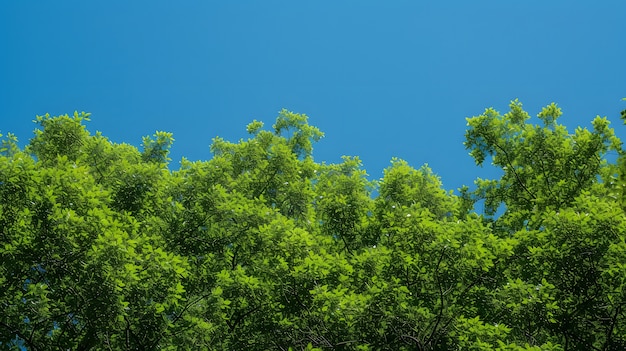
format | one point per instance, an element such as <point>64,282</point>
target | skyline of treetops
<point>103,246</point>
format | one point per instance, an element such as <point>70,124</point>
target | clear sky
<point>380,78</point>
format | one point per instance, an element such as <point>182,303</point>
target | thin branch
<point>414,339</point>
<point>27,341</point>
<point>441,301</point>
<point>517,177</point>
<point>609,332</point>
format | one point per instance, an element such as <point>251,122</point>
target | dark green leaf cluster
<point>103,247</point>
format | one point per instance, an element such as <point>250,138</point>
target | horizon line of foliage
<point>102,247</point>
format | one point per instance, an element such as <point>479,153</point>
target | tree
<point>104,247</point>
<point>559,195</point>
<point>78,270</point>
<point>545,167</point>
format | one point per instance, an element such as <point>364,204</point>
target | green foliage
<point>545,167</point>
<point>59,136</point>
<point>404,186</point>
<point>299,134</point>
<point>622,166</point>
<point>102,247</point>
<point>157,148</point>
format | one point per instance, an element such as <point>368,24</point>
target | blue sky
<point>380,78</point>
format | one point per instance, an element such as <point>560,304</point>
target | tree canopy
<point>104,247</point>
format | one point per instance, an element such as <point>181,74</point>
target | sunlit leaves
<point>60,136</point>
<point>549,114</point>
<point>404,186</point>
<point>544,166</point>
<point>156,148</point>
<point>298,133</point>
<point>103,247</point>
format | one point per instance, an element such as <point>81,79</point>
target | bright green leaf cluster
<point>103,247</point>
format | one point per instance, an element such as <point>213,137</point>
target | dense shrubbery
<point>102,247</point>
